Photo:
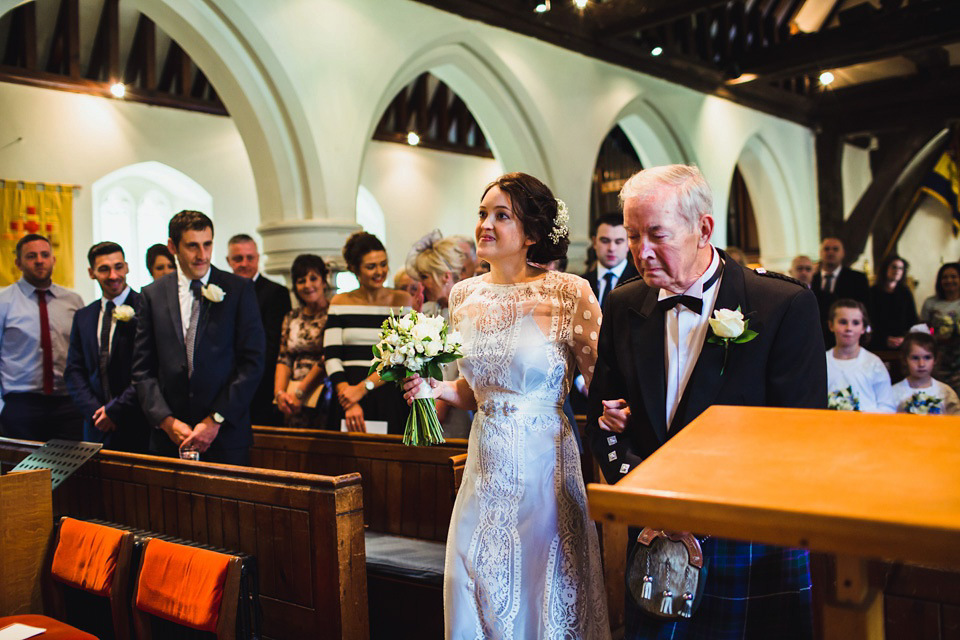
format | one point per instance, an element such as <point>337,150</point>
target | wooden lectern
<point>26,521</point>
<point>854,485</point>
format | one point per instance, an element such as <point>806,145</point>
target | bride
<point>522,556</point>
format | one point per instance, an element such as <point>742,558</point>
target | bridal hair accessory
<point>560,229</point>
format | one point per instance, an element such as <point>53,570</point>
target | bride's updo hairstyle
<point>537,208</point>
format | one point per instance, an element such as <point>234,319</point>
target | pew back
<point>406,490</point>
<point>305,530</point>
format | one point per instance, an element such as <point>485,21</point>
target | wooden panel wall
<point>406,490</point>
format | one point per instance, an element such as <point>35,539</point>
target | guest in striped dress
<point>353,327</point>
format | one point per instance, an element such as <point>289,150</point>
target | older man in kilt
<point>657,371</point>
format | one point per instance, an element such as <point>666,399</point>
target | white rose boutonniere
<point>728,326</point>
<point>213,293</point>
<point>124,313</point>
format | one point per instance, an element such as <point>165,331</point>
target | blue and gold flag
<point>943,183</point>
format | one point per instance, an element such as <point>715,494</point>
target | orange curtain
<point>35,207</point>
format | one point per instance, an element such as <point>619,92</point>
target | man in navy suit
<point>613,264</point>
<point>199,351</point>
<point>657,370</point>
<point>100,358</point>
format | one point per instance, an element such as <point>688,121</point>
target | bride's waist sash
<point>518,405</point>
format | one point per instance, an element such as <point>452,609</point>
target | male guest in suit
<point>35,319</point>
<point>833,282</point>
<point>100,359</point>
<point>610,242</point>
<point>199,351</point>
<point>656,373</point>
<point>274,302</point>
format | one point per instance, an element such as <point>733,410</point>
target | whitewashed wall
<point>77,139</point>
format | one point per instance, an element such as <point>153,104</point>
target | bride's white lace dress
<point>522,556</point>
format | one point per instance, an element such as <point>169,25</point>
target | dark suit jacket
<point>274,302</point>
<point>850,284</point>
<point>82,375</point>
<point>591,276</point>
<point>784,366</point>
<point>228,360</point>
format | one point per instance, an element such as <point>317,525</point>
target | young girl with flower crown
<point>851,367</point>
<point>919,392</point>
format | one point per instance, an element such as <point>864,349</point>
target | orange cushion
<point>86,555</point>
<point>55,630</point>
<point>182,584</point>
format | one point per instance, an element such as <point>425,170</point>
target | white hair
<point>469,243</point>
<point>693,195</point>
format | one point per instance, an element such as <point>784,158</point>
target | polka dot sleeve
<point>585,330</point>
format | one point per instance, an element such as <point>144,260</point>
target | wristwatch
<point>298,393</point>
<point>368,385</point>
<point>218,418</point>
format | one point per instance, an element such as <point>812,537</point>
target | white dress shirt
<point>186,298</point>
<point>602,272</point>
<point>119,300</point>
<point>684,333</point>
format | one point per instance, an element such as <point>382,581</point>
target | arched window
<point>616,162</point>
<point>132,206</point>
<point>741,223</point>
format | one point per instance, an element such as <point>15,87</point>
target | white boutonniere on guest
<point>124,313</point>
<point>213,293</point>
<point>728,327</point>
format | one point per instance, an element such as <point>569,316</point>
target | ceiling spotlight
<point>580,4</point>
<point>542,7</point>
<point>656,51</point>
<point>413,139</point>
<point>118,90</point>
<point>826,78</point>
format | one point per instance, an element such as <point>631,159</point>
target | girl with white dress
<point>522,554</point>
<point>919,355</point>
<point>850,365</point>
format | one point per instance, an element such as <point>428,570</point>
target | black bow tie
<point>694,304</point>
<point>690,302</point>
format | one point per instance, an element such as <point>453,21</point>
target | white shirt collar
<point>255,276</point>
<point>696,289</point>
<point>617,270</point>
<point>184,281</point>
<point>836,272</point>
<point>119,300</point>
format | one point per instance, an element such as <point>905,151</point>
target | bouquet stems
<point>423,425</point>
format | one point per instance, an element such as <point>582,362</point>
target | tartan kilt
<point>752,592</point>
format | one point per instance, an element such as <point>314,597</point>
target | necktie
<point>192,328</point>
<point>105,325</point>
<point>828,283</point>
<point>45,345</point>
<point>608,285</point>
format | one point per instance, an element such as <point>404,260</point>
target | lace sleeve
<point>585,330</point>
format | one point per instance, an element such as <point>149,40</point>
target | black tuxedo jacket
<point>784,366</point>
<point>850,284</point>
<point>228,360</point>
<point>82,375</point>
<point>591,276</point>
<point>274,302</point>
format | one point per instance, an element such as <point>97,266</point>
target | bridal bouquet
<point>843,400</point>
<point>924,404</point>
<point>416,344</point>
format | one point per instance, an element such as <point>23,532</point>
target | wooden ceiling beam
<point>105,56</point>
<point>142,59</point>
<point>918,26</point>
<point>651,13</point>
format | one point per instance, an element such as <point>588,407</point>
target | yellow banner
<point>34,207</point>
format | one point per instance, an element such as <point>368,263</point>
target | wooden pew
<point>305,530</point>
<point>406,490</point>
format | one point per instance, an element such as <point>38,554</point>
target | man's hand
<point>102,421</point>
<point>176,430</point>
<point>203,435</point>
<point>616,413</point>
